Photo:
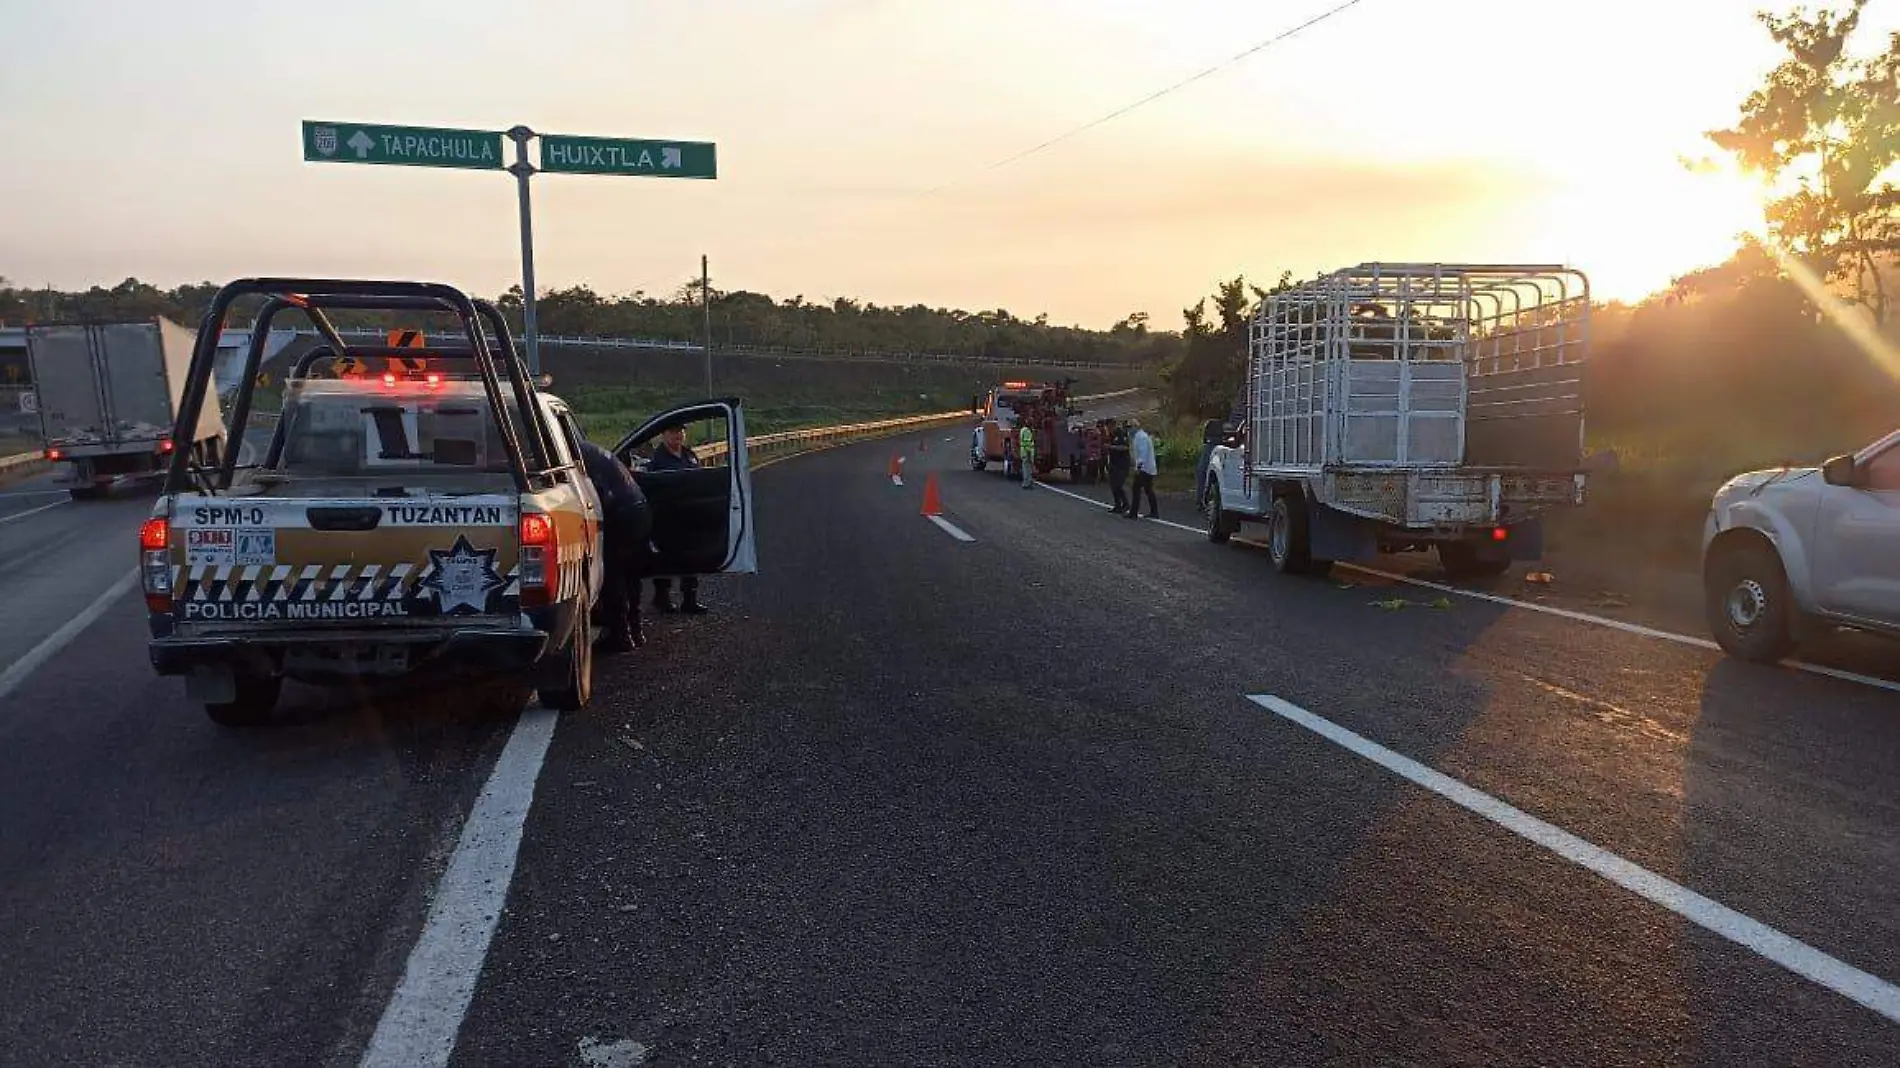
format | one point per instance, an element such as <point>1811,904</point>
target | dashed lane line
<point>32,511</point>
<point>950,528</point>
<point>1626,627</point>
<point>1861,987</point>
<point>17,672</point>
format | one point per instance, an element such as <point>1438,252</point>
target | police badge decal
<point>462,577</point>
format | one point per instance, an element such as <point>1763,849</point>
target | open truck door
<point>702,513</point>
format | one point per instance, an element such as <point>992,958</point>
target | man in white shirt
<point>1143,448</point>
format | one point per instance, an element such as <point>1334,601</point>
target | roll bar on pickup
<point>529,453</point>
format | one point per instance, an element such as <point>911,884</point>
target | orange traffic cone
<point>932,505</point>
<point>894,470</point>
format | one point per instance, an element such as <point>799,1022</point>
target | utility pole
<point>705,302</point>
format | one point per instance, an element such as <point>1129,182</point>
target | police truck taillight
<point>537,541</point>
<point>155,565</point>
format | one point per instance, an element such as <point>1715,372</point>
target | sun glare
<point>1636,230</point>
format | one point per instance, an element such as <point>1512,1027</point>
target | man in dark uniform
<point>1118,463</point>
<point>675,455</point>
<point>626,525</point>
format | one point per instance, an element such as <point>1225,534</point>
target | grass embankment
<point>1650,503</point>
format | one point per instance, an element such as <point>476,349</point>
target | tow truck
<point>1061,440</point>
<point>417,512</point>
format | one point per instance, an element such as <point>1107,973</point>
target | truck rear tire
<point>253,703</point>
<point>1290,540</point>
<point>1749,607</point>
<point>1461,560</point>
<point>577,669</point>
<point>86,493</point>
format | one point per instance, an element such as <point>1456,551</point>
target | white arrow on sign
<point>362,143</point>
<point>670,157</point>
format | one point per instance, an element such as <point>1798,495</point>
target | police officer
<point>675,455</point>
<point>1119,460</point>
<point>625,529</point>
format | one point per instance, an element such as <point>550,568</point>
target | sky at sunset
<point>856,138</point>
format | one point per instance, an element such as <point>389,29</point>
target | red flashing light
<point>389,380</point>
<point>434,379</point>
<point>1499,534</point>
<point>165,445</point>
<point>536,529</point>
<point>54,454</point>
<point>154,535</point>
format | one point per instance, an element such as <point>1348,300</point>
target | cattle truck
<point>108,396</point>
<point>1395,407</point>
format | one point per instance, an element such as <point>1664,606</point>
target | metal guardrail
<point>791,442</point>
<point>783,352</point>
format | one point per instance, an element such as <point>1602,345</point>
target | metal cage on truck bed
<point>1421,365</point>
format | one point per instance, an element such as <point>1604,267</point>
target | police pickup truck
<point>418,511</point>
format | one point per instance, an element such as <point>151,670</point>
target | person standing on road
<point>1143,448</point>
<point>625,527</point>
<point>675,455</point>
<point>1118,465</point>
<point>1026,455</point>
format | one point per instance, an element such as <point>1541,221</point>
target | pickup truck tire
<point>1460,560</point>
<point>577,669</point>
<point>1220,526</point>
<point>256,698</point>
<point>1290,539</point>
<point>86,493</point>
<point>1749,608</point>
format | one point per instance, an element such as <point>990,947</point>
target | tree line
<point>739,317</point>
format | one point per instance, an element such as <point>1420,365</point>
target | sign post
<point>523,170</point>
<point>429,146</point>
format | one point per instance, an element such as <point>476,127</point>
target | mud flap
<point>1337,535</point>
<point>1527,540</point>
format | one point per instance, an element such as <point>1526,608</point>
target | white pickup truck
<point>1790,552</point>
<point>1393,407</point>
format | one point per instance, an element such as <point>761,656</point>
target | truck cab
<point>417,512</point>
<point>1790,552</point>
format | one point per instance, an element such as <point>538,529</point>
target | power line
<point>1154,96</point>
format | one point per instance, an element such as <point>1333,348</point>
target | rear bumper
<point>483,650</point>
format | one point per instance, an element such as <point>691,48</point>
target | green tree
<point>1828,125</point>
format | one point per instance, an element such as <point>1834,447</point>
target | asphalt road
<point>909,799</point>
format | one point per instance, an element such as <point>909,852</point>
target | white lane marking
<point>32,511</point>
<point>54,642</point>
<point>897,480</point>
<point>950,528</point>
<point>1843,675</point>
<point>1100,504</point>
<point>1798,957</point>
<point>425,1013</point>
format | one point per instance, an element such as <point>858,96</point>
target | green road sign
<point>401,146</point>
<point>562,154</point>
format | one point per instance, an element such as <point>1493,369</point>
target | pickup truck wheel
<point>1288,542</point>
<point>1460,560</point>
<point>86,493</point>
<point>1748,604</point>
<point>578,689</point>
<point>1220,527</point>
<point>255,699</point>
